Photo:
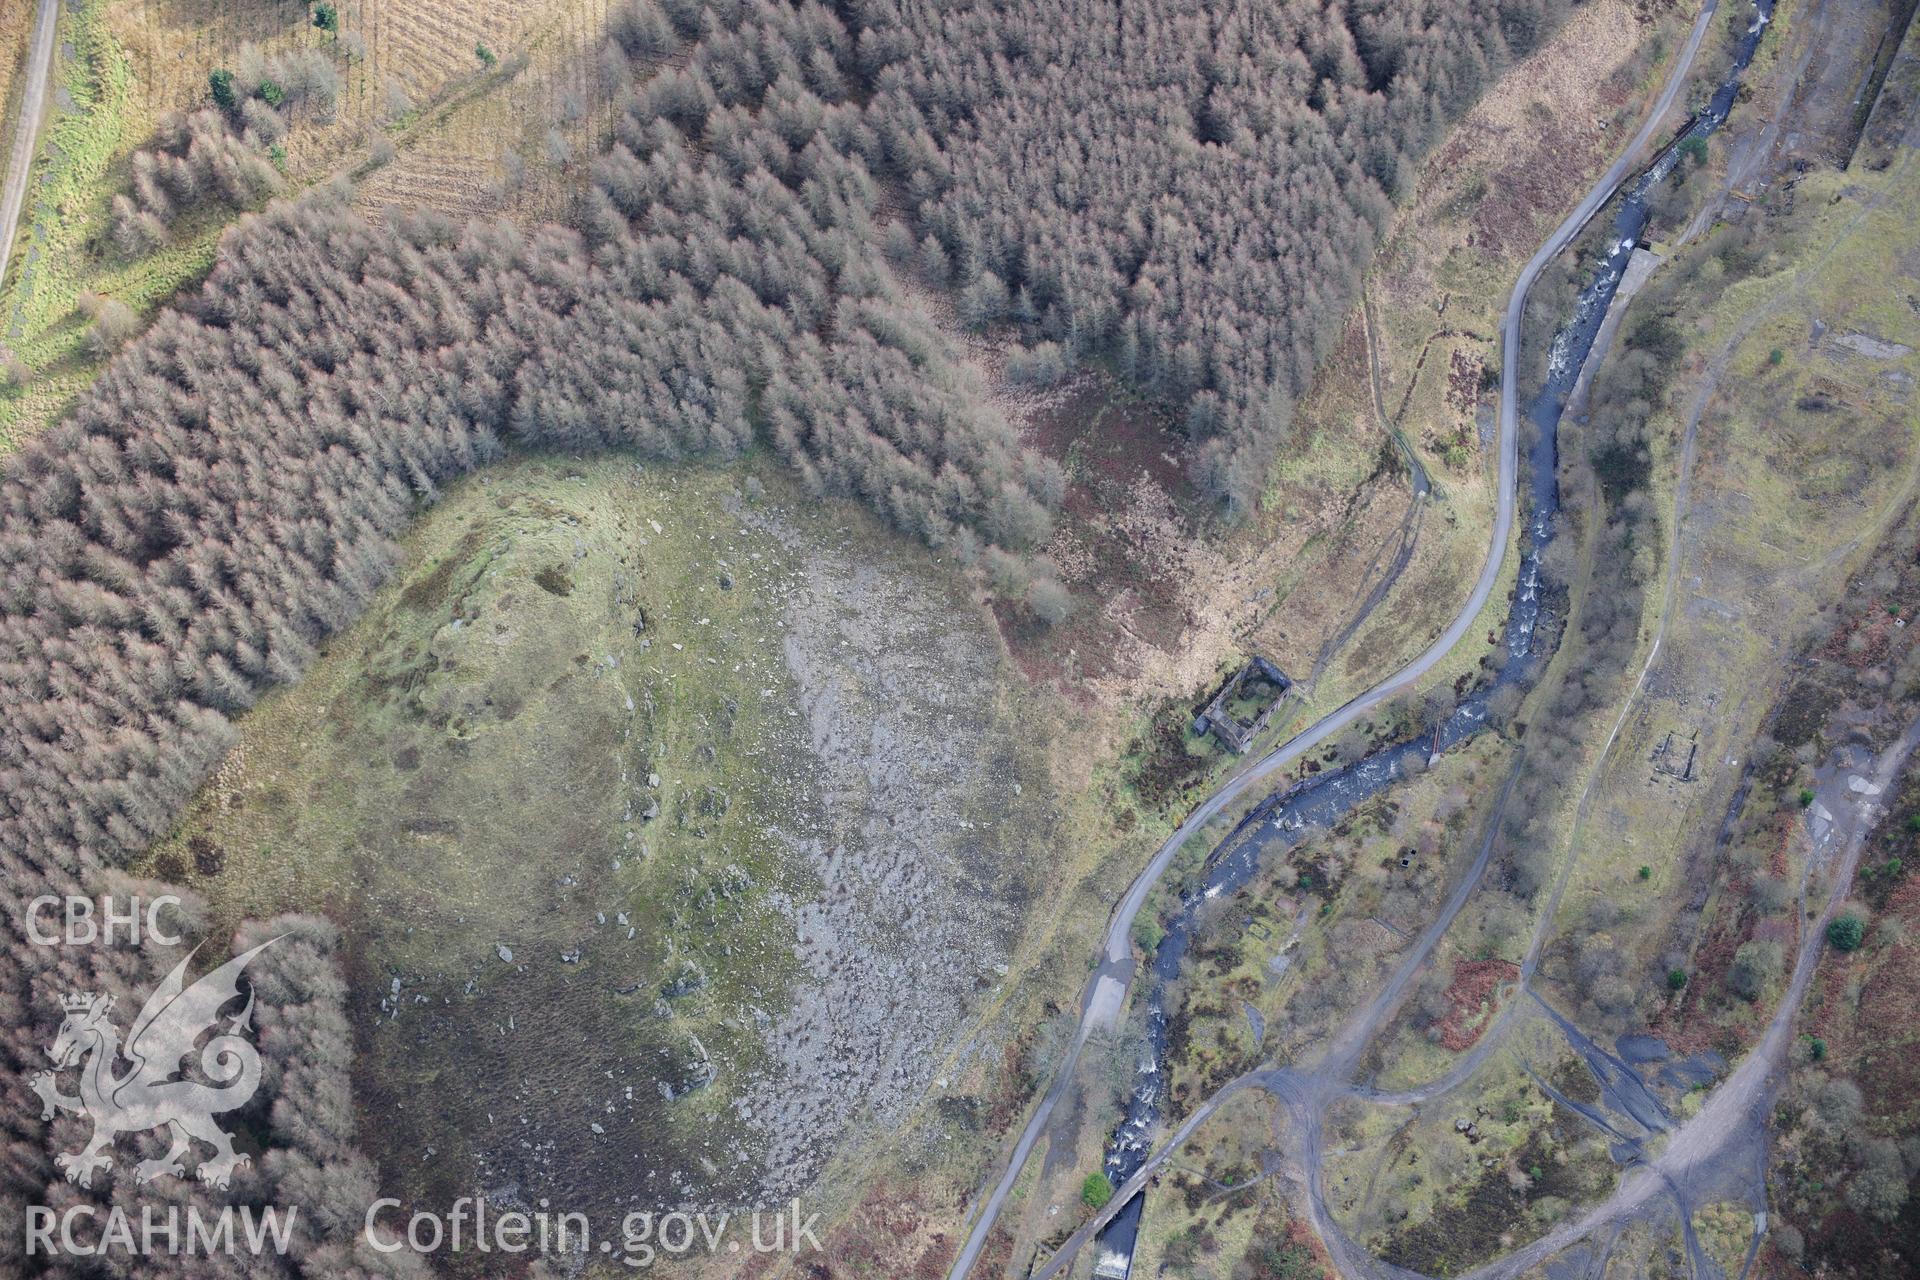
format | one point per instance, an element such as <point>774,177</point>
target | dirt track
<point>33,102</point>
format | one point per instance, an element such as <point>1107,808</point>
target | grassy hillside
<point>627,774</point>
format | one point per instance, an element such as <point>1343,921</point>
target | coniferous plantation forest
<point>971,627</point>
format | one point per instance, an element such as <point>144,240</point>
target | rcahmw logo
<point>83,1231</point>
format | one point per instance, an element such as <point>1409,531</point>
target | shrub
<point>1838,1105</point>
<point>1096,1190</point>
<point>1050,602</point>
<point>1008,573</point>
<point>641,29</point>
<point>327,18</point>
<point>1847,932</point>
<point>1771,894</point>
<point>1657,336</point>
<point>1676,979</point>
<point>1183,1251</point>
<point>113,322</point>
<point>1352,744</point>
<point>195,158</point>
<point>394,100</point>
<point>1041,365</point>
<point>1755,965</point>
<point>486,56</point>
<point>220,82</point>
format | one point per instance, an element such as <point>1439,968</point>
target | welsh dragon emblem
<point>148,1096</point>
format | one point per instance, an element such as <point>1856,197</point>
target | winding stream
<point>1279,822</point>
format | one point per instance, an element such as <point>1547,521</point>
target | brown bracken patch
<point>1863,642</point>
<point>1470,1002</point>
